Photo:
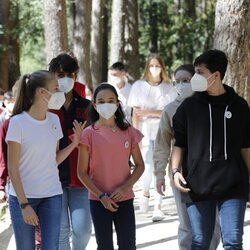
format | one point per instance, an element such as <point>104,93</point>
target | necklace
<point>113,128</point>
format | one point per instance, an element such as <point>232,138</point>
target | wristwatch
<point>24,205</point>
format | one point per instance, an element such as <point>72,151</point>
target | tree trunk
<point>55,27</point>
<point>96,41</point>
<point>232,35</point>
<point>131,39</point>
<point>14,52</point>
<point>153,21</point>
<point>4,43</point>
<point>117,31</point>
<point>82,22</point>
<point>189,12</point>
<point>105,43</point>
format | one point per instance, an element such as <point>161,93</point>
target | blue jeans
<point>124,221</point>
<point>75,215</point>
<point>202,217</point>
<point>48,211</point>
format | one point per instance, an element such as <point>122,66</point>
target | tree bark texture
<point>131,48</point>
<point>117,31</point>
<point>55,27</point>
<point>96,41</point>
<point>82,22</point>
<point>4,43</point>
<point>232,35</point>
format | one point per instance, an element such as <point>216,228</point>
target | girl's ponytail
<point>22,102</point>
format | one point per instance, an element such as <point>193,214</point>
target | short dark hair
<point>65,62</point>
<point>186,67</point>
<point>118,66</point>
<point>215,60</point>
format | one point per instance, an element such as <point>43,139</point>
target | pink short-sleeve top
<point>109,151</point>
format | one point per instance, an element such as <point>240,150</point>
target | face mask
<point>9,106</point>
<point>106,110</point>
<point>199,83</point>
<point>56,100</point>
<point>155,71</point>
<point>66,84</point>
<point>184,89</point>
<point>114,80</point>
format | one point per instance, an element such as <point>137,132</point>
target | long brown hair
<point>27,89</point>
<point>163,75</point>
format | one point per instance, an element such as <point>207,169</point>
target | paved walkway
<point>150,236</point>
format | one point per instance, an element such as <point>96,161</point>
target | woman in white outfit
<point>148,97</point>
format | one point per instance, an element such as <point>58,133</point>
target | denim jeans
<point>202,217</point>
<point>76,218</point>
<point>48,211</point>
<point>124,221</point>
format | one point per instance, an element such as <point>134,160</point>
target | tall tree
<point>131,49</point>
<point>97,41</point>
<point>232,35</point>
<point>117,31</point>
<point>4,43</point>
<point>14,52</point>
<point>82,22</point>
<point>55,27</point>
<point>153,21</point>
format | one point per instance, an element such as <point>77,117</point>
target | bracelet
<point>102,195</point>
<point>174,171</point>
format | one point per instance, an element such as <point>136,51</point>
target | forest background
<point>101,32</point>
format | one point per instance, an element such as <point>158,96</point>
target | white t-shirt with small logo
<point>37,162</point>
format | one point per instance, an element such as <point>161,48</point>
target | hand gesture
<point>180,183</point>
<point>141,112</point>
<point>30,216</point>
<point>109,204</point>
<point>3,196</point>
<point>78,128</point>
<point>161,186</point>
<point>118,194</point>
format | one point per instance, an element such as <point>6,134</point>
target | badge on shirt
<point>228,114</point>
<point>126,144</point>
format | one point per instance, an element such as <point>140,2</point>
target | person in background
<point>162,152</point>
<point>148,97</point>
<point>103,167</point>
<point>211,155</point>
<point>76,216</point>
<point>1,98</point>
<point>35,196</point>
<point>8,104</point>
<point>119,79</point>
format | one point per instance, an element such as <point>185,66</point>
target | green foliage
<point>181,37</point>
<point>31,35</point>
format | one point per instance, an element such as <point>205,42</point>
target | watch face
<point>24,205</point>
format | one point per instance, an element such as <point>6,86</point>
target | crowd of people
<point>67,162</point>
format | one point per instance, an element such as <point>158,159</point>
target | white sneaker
<point>158,215</point>
<point>144,204</point>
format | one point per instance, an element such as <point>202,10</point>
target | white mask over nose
<point>155,71</point>
<point>56,100</point>
<point>184,89</point>
<point>106,110</point>
<point>114,80</point>
<point>66,84</point>
<point>199,83</point>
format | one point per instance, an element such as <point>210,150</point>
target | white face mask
<point>155,71</point>
<point>66,84</point>
<point>114,80</point>
<point>199,83</point>
<point>184,89</point>
<point>56,100</point>
<point>106,110</point>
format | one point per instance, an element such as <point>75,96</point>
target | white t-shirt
<point>153,97</point>
<point>37,164</point>
<point>123,94</point>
